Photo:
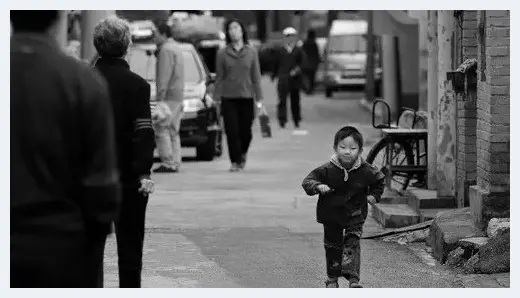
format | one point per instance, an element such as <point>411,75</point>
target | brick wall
<point>493,104</point>
<point>467,112</point>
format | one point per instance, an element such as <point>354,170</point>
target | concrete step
<point>427,199</point>
<point>429,214</point>
<point>391,196</point>
<point>395,215</point>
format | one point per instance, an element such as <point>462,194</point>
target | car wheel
<point>328,92</point>
<point>207,151</point>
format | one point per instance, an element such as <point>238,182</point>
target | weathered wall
<point>490,197</point>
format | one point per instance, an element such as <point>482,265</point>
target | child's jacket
<point>346,205</point>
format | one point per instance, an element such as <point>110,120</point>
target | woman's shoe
<point>242,164</point>
<point>234,167</point>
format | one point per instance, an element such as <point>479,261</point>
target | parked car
<point>345,57</point>
<point>200,125</point>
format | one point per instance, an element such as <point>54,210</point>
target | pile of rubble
<point>489,254</point>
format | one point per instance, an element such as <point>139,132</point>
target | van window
<point>347,44</point>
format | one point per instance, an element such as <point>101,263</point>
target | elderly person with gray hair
<point>130,95</point>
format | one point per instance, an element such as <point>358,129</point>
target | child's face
<point>348,151</point>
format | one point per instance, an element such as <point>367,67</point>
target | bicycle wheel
<point>402,156</point>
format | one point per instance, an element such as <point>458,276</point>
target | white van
<point>345,56</point>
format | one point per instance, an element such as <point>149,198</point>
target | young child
<point>345,184</point>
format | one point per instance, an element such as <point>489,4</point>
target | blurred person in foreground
<point>238,87</point>
<point>289,64</point>
<point>310,47</point>
<point>130,95</point>
<point>169,80</point>
<point>64,179</point>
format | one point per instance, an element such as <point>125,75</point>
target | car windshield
<point>144,65</point>
<point>347,44</point>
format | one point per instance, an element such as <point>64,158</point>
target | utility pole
<point>447,108</point>
<point>369,86</point>
<point>390,74</point>
<point>433,56</point>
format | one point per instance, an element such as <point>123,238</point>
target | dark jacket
<point>64,178</point>
<point>130,95</point>
<point>312,53</point>
<point>285,62</point>
<point>238,73</point>
<point>347,204</point>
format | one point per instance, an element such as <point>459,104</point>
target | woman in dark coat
<point>238,86</point>
<point>130,95</point>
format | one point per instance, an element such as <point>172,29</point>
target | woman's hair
<point>244,31</point>
<point>112,37</point>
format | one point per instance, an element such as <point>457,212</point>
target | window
<point>347,44</point>
<point>192,71</point>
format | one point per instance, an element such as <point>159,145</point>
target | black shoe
<point>297,124</point>
<point>331,283</point>
<point>282,125</point>
<point>165,169</point>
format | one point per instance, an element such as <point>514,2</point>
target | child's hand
<point>324,189</point>
<point>371,200</point>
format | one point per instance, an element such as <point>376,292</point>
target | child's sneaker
<point>354,284</point>
<point>332,283</point>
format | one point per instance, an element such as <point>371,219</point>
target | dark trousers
<point>343,251</point>
<point>310,74</point>
<point>130,238</point>
<point>238,114</point>
<point>55,261</point>
<point>289,87</point>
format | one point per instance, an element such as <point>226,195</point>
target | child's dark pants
<point>342,251</point>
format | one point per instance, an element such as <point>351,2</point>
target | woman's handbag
<point>265,127</point>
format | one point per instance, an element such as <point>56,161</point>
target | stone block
<point>395,215</point>
<point>496,225</point>
<point>448,228</point>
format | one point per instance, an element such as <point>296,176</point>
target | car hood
<point>349,61</point>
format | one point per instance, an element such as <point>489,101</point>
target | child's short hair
<point>348,131</point>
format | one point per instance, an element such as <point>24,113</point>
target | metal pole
<point>369,87</point>
<point>390,74</point>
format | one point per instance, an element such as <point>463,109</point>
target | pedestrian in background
<point>130,96</point>
<point>238,87</point>
<point>345,185</point>
<point>170,94</point>
<point>64,179</point>
<point>289,63</point>
<point>312,53</point>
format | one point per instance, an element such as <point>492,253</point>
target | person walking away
<point>64,179</point>
<point>310,48</point>
<point>343,184</point>
<point>170,95</point>
<point>289,63</point>
<point>130,96</point>
<point>238,87</point>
